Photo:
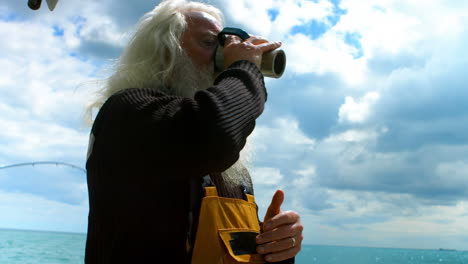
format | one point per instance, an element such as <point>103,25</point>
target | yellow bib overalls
<point>226,231</point>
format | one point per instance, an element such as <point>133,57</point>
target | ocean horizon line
<point>387,247</point>
<point>42,230</point>
<point>312,244</point>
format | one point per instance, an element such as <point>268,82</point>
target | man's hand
<point>282,232</point>
<point>251,49</point>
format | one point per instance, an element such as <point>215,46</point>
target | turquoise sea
<point>38,247</point>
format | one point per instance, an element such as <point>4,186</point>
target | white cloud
<point>287,136</point>
<point>352,136</point>
<point>103,29</point>
<point>39,72</point>
<point>253,15</point>
<point>266,176</point>
<point>32,140</point>
<point>299,13</point>
<point>381,26</point>
<point>358,111</point>
<point>382,30</point>
<point>328,54</point>
<point>288,131</point>
<point>308,174</point>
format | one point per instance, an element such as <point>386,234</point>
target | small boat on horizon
<point>446,249</point>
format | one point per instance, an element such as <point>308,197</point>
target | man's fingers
<point>280,245</point>
<point>266,47</point>
<point>251,50</point>
<point>275,205</point>
<point>279,233</point>
<point>281,219</point>
<point>256,40</point>
<point>283,255</point>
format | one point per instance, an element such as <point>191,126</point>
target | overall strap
<point>211,191</point>
<point>197,188</point>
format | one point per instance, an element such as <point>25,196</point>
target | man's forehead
<point>202,21</point>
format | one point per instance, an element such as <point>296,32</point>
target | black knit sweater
<point>147,146</point>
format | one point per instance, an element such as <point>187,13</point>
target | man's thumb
<point>275,205</point>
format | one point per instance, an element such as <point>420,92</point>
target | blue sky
<point>366,131</point>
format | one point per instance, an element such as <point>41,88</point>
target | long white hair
<point>151,57</point>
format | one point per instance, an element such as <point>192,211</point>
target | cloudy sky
<point>366,131</point>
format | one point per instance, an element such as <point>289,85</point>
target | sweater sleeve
<point>202,135</point>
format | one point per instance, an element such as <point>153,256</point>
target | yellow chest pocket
<point>226,231</point>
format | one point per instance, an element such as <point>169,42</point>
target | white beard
<point>238,173</point>
<point>187,78</point>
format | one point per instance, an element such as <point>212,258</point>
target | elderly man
<point>164,177</point>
